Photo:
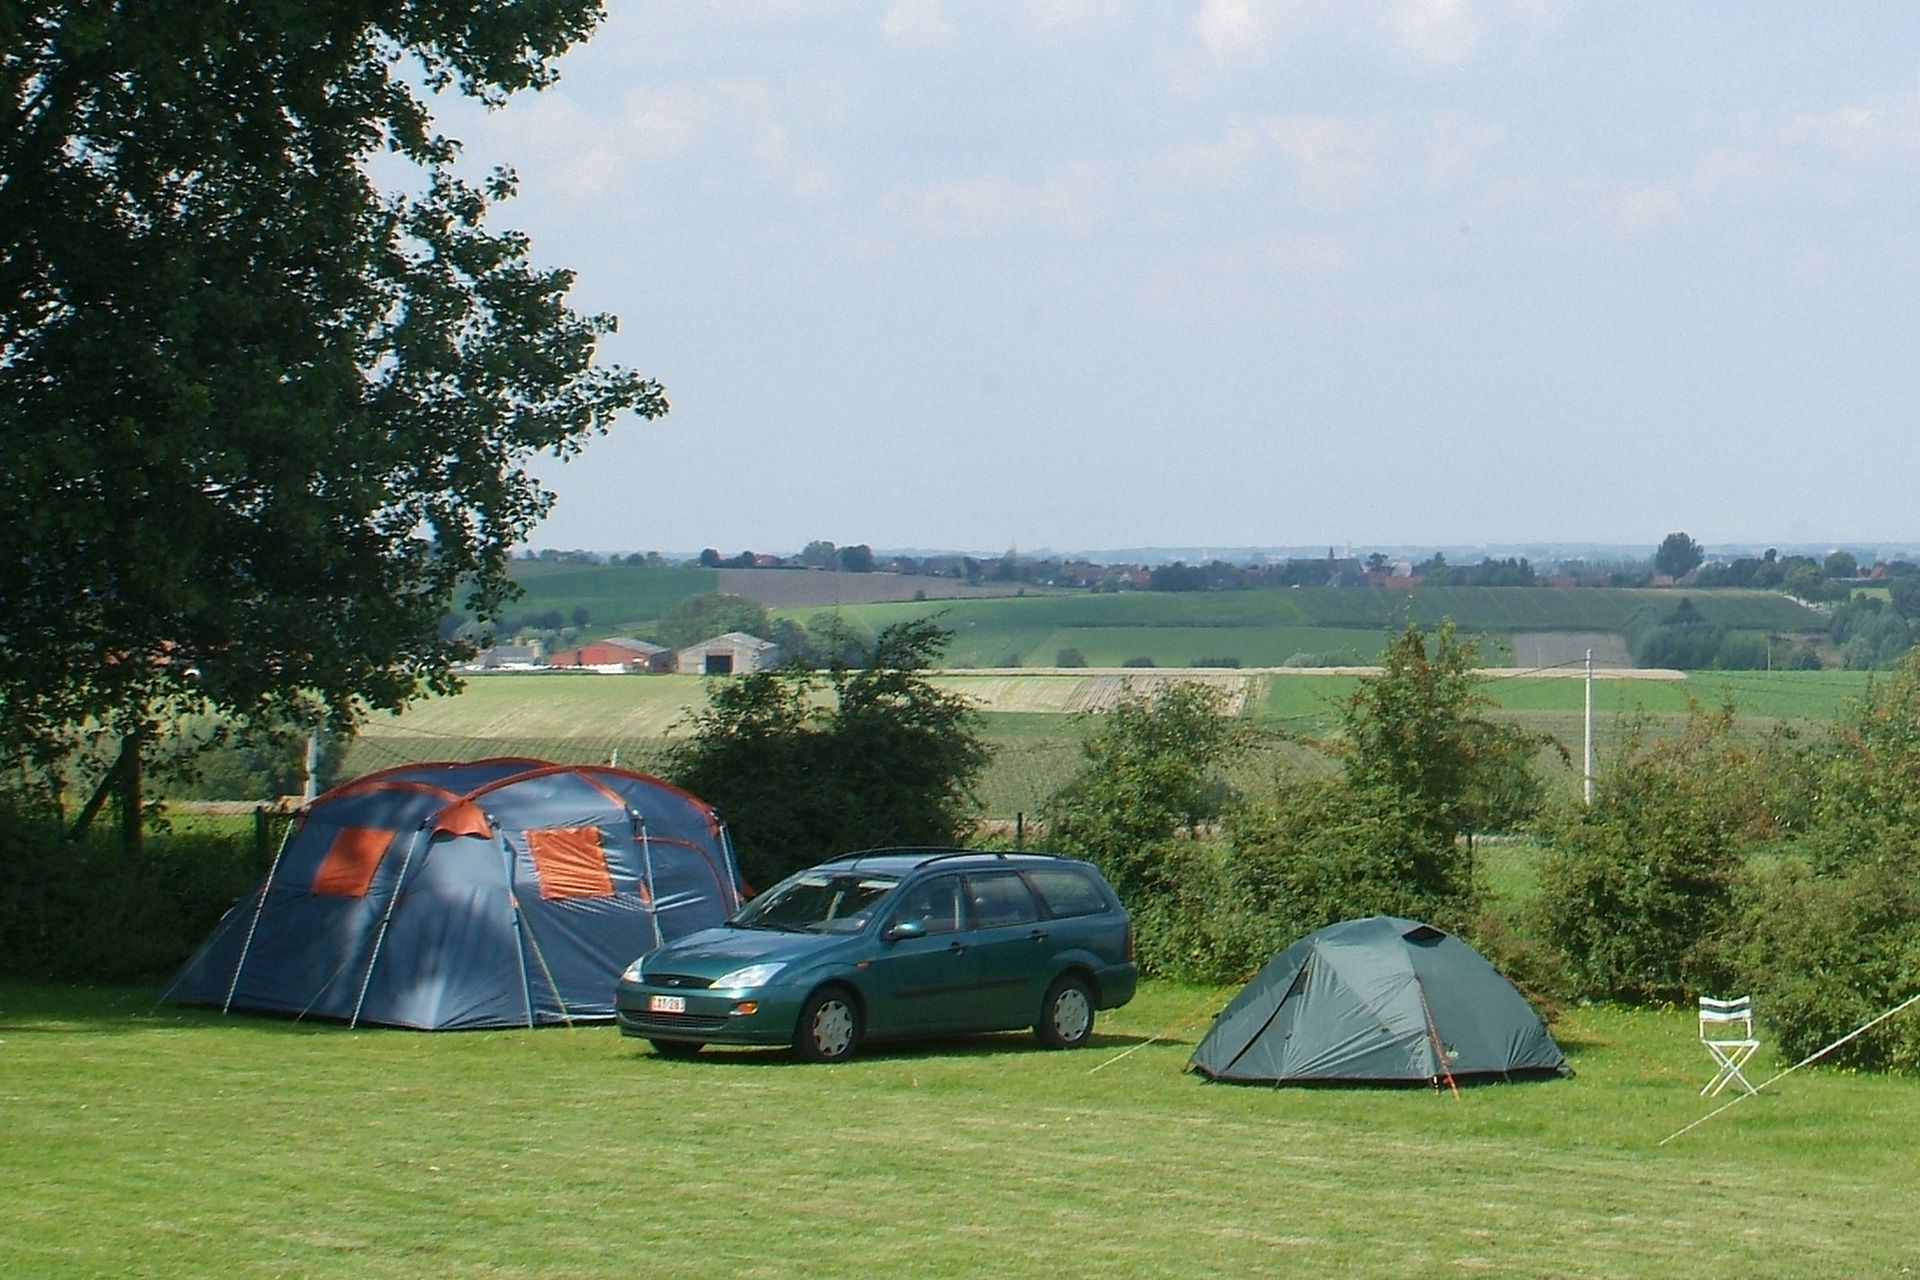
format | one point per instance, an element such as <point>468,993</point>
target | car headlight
<point>754,975</point>
<point>633,971</point>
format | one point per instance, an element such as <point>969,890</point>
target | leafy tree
<point>1678,555</point>
<point>1680,639</point>
<point>1414,733</point>
<point>692,619</point>
<point>1152,767</point>
<point>1178,576</point>
<point>1904,594</point>
<point>857,559</point>
<point>1421,767</point>
<point>892,761</point>
<point>828,639</point>
<point>1869,634</point>
<point>1070,658</point>
<point>820,554</point>
<point>259,420</point>
<point>1841,564</point>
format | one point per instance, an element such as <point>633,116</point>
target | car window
<point>1001,898</point>
<point>818,902</point>
<point>1068,892</point>
<point>935,904</point>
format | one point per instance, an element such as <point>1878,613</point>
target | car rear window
<point>1001,898</point>
<point>1068,892</point>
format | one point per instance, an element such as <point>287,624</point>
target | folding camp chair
<point>1726,1029</point>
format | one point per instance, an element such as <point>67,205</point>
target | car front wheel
<point>1066,1015</point>
<point>829,1026</point>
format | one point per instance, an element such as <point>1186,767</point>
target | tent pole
<point>1433,1040</point>
<point>646,866</point>
<point>386,918</point>
<point>546,971</point>
<point>266,886</point>
<point>519,947</point>
<point>733,865</point>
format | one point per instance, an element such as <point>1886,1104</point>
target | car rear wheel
<point>676,1048</point>
<point>829,1027</point>
<point>1066,1015</point>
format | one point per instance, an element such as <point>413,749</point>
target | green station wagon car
<point>890,945</point>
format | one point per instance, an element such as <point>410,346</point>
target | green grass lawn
<point>142,1142</point>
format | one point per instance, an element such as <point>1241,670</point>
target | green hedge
<point>90,912</point>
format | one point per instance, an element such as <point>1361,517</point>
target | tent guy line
<point>1810,1058</point>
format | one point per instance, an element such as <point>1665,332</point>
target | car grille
<point>675,980</point>
<point>675,1022</point>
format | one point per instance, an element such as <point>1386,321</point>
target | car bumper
<point>1117,984</point>
<point>710,1017</point>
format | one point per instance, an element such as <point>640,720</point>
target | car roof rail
<point>961,853</point>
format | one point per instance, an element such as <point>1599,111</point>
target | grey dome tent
<point>496,893</point>
<point>1377,1001</point>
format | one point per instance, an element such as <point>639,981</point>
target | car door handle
<point>1038,935</point>
<point>956,947</point>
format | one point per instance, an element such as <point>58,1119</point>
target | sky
<point>1098,273</point>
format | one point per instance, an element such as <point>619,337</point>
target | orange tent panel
<point>570,862</point>
<point>351,860</point>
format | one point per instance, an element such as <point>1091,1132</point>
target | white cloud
<point>919,23</point>
<point>989,203</point>
<point>1219,162</point>
<point>1437,30</point>
<point>1335,158</point>
<point>1883,130</point>
<point>1230,28</point>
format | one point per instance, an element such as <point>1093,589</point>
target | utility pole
<point>1587,772</point>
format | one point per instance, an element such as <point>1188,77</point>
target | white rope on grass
<point>1182,1024</point>
<point>1812,1057</point>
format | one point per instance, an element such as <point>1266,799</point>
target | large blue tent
<point>495,893</point>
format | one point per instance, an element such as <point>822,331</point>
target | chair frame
<point>1730,1053</point>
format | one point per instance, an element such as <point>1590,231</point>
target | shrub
<point>1325,851</point>
<point>1070,658</point>
<point>1825,954</point>
<point>1831,936</point>
<point>893,760</point>
<point>1215,662</point>
<point>92,911</point>
<point>1142,661</point>
<point>1152,768</point>
<point>1637,889</point>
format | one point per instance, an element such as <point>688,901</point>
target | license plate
<point>666,1004</point>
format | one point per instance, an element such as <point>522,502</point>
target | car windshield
<point>818,902</point>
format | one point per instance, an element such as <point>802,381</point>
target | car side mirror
<point>905,929</point>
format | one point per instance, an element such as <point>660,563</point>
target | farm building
<point>507,657</point>
<point>617,653</point>
<point>734,653</point>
